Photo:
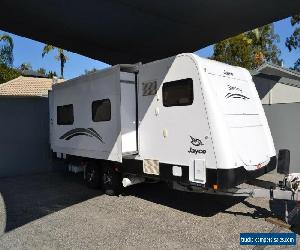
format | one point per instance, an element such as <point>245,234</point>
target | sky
<point>27,50</point>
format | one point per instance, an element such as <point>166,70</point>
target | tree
<point>293,42</point>
<point>249,49</point>
<point>6,50</point>
<point>234,51</point>
<point>7,73</point>
<point>41,71</point>
<point>51,74</point>
<point>6,59</point>
<point>61,56</point>
<point>25,66</point>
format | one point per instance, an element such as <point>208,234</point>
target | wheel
<point>92,175</point>
<point>111,181</point>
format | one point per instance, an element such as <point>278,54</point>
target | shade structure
<point>129,31</point>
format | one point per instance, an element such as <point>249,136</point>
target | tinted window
<point>101,110</point>
<point>178,93</point>
<point>65,115</point>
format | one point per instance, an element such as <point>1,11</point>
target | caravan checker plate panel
<point>151,167</point>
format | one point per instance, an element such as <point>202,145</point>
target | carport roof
<point>285,76</point>
<point>131,31</point>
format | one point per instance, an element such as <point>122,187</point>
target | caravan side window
<point>101,110</point>
<point>178,93</point>
<point>65,115</point>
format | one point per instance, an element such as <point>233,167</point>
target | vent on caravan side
<point>149,88</point>
<point>151,166</point>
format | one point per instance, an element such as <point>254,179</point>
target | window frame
<point>172,83</point>
<point>101,101</point>
<point>58,122</point>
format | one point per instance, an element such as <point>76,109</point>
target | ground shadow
<point>27,198</point>
<point>277,207</point>
<point>262,183</point>
<point>205,205</point>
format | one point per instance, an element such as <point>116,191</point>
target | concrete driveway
<point>52,211</point>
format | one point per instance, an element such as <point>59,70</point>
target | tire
<point>92,176</point>
<point>111,181</point>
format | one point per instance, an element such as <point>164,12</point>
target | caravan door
<point>128,113</point>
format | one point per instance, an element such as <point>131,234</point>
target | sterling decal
<point>234,88</point>
<point>235,95</point>
<point>90,132</point>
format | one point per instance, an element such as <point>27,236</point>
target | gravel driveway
<point>52,211</point>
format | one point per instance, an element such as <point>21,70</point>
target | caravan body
<point>183,119</point>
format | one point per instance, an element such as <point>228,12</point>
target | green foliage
<point>51,74</point>
<point>61,56</point>
<point>249,49</point>
<point>234,51</point>
<point>25,66</point>
<point>7,73</point>
<point>6,50</point>
<point>41,71</point>
<point>293,42</point>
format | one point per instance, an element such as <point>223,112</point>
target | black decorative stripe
<point>76,134</point>
<point>94,132</point>
<point>230,95</point>
<point>81,131</point>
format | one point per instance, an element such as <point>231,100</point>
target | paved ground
<point>50,211</point>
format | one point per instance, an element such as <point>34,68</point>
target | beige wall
<point>283,115</point>
<point>284,120</point>
<point>282,93</point>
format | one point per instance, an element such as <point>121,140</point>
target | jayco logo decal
<point>196,151</point>
<point>196,143</point>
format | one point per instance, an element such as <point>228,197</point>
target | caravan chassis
<point>222,179</point>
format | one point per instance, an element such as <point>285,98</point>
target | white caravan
<point>186,120</point>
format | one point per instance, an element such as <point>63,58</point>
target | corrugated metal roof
<point>276,70</point>
<point>285,76</point>
<point>26,86</point>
